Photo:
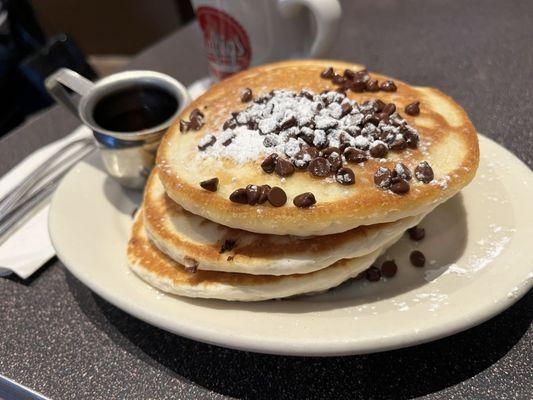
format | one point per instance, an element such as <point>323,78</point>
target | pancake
<point>165,274</point>
<point>193,240</point>
<point>447,141</point>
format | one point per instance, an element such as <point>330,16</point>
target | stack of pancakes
<point>294,177</point>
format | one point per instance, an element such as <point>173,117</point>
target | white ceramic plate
<point>478,246</point>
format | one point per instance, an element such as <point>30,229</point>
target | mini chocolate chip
<point>312,151</point>
<point>389,109</point>
<point>228,141</point>
<point>338,79</point>
<point>402,171</point>
<point>379,150</point>
<point>301,160</point>
<point>246,95</point>
<point>373,119</point>
<point>196,123</point>
<point>416,233</point>
<point>400,187</point>
<point>335,161</point>
<point>227,245</point>
<point>327,73</point>
<point>253,192</point>
<point>206,143</point>
<point>389,268</point>
<point>355,155</point>
<point>328,150</point>
<point>345,176</point>
<point>184,126</point>
<point>411,139</point>
<point>210,184</point>
<point>358,86</point>
<point>344,146</point>
<point>277,197</point>
<point>239,196</point>
<point>306,94</point>
<point>230,258</point>
<point>423,172</point>
<point>229,124</point>
<point>379,105</point>
<point>269,163</point>
<point>383,116</point>
<point>382,177</point>
<point>319,167</point>
<point>284,167</point>
<point>362,75</point>
<point>304,200</point>
<point>263,195</point>
<point>413,108</point>
<point>388,86</point>
<point>373,274</point>
<point>346,109</point>
<point>292,121</point>
<point>190,265</point>
<point>372,85</point>
<point>418,259</point>
<point>398,144</point>
<point>349,74</point>
<point>196,113</point>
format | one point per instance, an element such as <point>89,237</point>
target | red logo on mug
<point>227,44</point>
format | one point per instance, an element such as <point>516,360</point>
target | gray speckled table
<point>59,338</point>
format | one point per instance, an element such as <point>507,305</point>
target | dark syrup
<point>139,107</point>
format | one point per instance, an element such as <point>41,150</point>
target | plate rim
<point>246,343</point>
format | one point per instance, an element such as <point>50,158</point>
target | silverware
<point>32,197</point>
<point>12,198</point>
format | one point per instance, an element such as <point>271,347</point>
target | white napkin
<point>29,247</point>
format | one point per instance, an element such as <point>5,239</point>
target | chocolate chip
<point>292,121</point>
<point>210,184</point>
<point>389,109</point>
<point>307,95</point>
<point>227,245</point>
<point>382,177</point>
<point>253,192</point>
<point>263,195</point>
<point>338,79</point>
<point>402,172</point>
<point>327,73</point>
<point>373,274</point>
<point>304,200</point>
<point>358,86</point>
<point>349,74</point>
<point>246,95</point>
<point>413,108</point>
<point>229,124</point>
<point>399,143</point>
<point>284,167</point>
<point>418,259</point>
<point>389,268</point>
<point>355,155</point>
<point>416,233</point>
<point>379,150</point>
<point>423,172</point>
<point>362,75</point>
<point>277,197</point>
<point>372,85</point>
<point>228,141</point>
<point>411,139</point>
<point>344,146</point>
<point>206,142</point>
<point>388,86</point>
<point>345,176</point>
<point>319,167</point>
<point>196,113</point>
<point>383,116</point>
<point>379,105</point>
<point>373,119</point>
<point>346,109</point>
<point>400,187</point>
<point>335,161</point>
<point>328,150</point>
<point>190,265</point>
<point>184,126</point>
<point>269,163</point>
<point>196,123</point>
<point>230,258</point>
<point>239,196</point>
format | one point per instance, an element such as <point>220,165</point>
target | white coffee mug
<point>241,33</point>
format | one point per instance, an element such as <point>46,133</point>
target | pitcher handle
<point>64,77</point>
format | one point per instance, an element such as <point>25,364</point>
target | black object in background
<point>26,59</point>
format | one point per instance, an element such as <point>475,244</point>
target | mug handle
<point>327,15</point>
<point>64,77</point>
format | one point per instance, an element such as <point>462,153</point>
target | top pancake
<point>448,142</point>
